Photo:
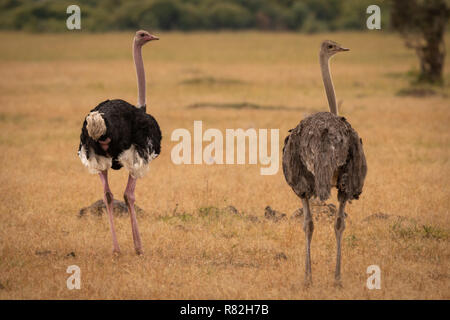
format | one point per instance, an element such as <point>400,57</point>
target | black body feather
<point>322,148</point>
<point>126,126</point>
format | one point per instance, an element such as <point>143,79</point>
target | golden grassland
<point>48,83</point>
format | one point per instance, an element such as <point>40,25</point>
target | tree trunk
<point>422,24</point>
<point>432,54</point>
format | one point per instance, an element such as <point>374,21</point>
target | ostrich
<point>324,151</point>
<point>116,134</point>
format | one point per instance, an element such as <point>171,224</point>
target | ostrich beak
<point>344,49</point>
<point>152,37</point>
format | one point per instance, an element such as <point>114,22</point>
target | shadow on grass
<point>211,81</point>
<point>13,118</point>
<point>418,92</point>
<point>417,88</point>
<point>242,106</point>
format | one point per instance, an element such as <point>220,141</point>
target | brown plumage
<point>322,152</point>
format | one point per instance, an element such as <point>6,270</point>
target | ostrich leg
<point>108,199</point>
<point>129,200</point>
<point>308,227</point>
<point>339,227</point>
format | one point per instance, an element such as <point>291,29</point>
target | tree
<point>422,24</point>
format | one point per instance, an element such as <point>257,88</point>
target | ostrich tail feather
<point>96,125</point>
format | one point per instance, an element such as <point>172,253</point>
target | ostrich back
<point>324,147</point>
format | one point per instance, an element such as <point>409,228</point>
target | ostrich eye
<point>142,34</point>
<point>330,46</point>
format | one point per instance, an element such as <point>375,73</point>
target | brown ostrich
<point>324,151</point>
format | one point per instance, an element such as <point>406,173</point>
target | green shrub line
<point>112,15</point>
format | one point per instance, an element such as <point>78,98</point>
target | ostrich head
<point>142,37</point>
<point>330,48</point>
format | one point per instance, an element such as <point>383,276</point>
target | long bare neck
<point>328,83</point>
<point>140,73</point>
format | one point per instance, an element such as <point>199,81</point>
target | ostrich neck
<point>140,73</point>
<point>328,83</point>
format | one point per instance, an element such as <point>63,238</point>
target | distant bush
<point>225,15</point>
<point>107,15</point>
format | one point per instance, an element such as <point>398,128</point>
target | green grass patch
<point>414,231</point>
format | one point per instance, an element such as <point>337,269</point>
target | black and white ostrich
<point>324,151</point>
<point>117,134</point>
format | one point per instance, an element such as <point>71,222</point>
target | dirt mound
<point>273,215</point>
<point>231,210</point>
<point>321,211</point>
<point>98,208</point>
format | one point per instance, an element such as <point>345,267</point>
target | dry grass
<point>48,83</point>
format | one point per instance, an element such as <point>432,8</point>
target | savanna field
<point>193,247</point>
